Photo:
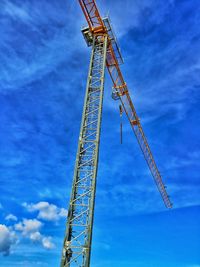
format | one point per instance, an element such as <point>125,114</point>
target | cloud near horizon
<point>7,239</point>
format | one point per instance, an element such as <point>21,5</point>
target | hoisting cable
<point>120,112</point>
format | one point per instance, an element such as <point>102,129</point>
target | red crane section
<point>92,16</point>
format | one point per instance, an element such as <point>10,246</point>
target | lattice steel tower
<point>105,53</point>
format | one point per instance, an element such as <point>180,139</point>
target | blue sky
<point>43,70</point>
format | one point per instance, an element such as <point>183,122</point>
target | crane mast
<point>105,53</point>
<point>77,243</point>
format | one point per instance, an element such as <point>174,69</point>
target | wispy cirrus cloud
<point>51,47</point>
<point>15,11</point>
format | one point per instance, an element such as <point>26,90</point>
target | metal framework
<point>92,15</point>
<point>77,242</point>
<point>105,53</point>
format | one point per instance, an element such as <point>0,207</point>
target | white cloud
<point>63,212</point>
<point>11,217</point>
<point>30,229</point>
<point>47,243</point>
<point>28,226</point>
<point>7,239</point>
<point>46,211</point>
<point>36,236</point>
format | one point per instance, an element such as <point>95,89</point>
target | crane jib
<point>113,60</point>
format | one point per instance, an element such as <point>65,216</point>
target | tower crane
<point>105,54</point>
